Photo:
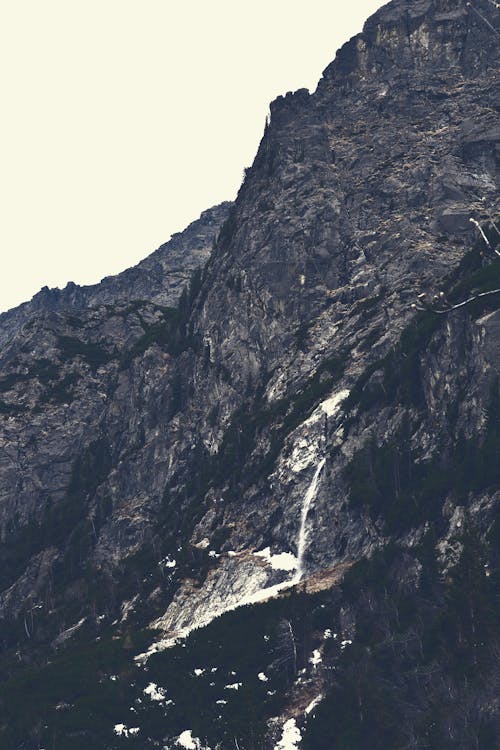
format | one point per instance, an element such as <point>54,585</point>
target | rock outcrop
<point>308,399</point>
<point>159,278</point>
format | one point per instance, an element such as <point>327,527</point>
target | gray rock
<point>132,435</point>
<point>454,221</point>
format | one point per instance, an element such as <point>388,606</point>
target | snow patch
<point>70,632</point>
<point>201,545</point>
<point>305,452</point>
<point>332,404</point>
<point>187,741</point>
<point>262,677</point>
<point>281,561</point>
<point>262,595</point>
<point>128,607</point>
<point>199,672</point>
<point>123,731</point>
<point>154,692</point>
<point>233,686</point>
<point>245,599</point>
<point>310,708</point>
<point>290,737</point>
<point>303,455</point>
<point>315,659</point>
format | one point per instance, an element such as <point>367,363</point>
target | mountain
<point>268,517</point>
<point>159,278</point>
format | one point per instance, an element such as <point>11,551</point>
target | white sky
<point>122,120</point>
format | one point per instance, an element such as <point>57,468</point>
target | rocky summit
<point>249,489</point>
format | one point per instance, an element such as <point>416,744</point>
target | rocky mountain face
<point>159,278</point>
<point>267,517</point>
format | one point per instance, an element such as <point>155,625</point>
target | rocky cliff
<point>159,278</point>
<point>266,518</point>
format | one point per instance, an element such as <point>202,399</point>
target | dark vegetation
<point>92,353</point>
<point>402,366</point>
<point>276,420</point>
<point>10,410</point>
<point>390,478</point>
<point>404,491</point>
<point>69,702</point>
<point>229,227</point>
<point>237,464</point>
<point>42,369</point>
<point>58,389</point>
<point>76,700</point>
<point>61,392</point>
<point>167,333</point>
<point>172,332</point>
<point>422,671</point>
<point>64,524</point>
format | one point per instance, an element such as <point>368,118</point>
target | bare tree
<point>439,303</point>
<point>286,646</point>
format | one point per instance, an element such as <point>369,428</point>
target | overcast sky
<point>122,120</point>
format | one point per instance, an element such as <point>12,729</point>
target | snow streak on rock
<point>331,406</point>
<point>313,704</point>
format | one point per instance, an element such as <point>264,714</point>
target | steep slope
<point>159,278</point>
<point>295,405</point>
<point>345,216</point>
<point>65,355</point>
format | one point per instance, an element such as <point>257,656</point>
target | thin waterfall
<point>309,498</point>
<point>254,597</point>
